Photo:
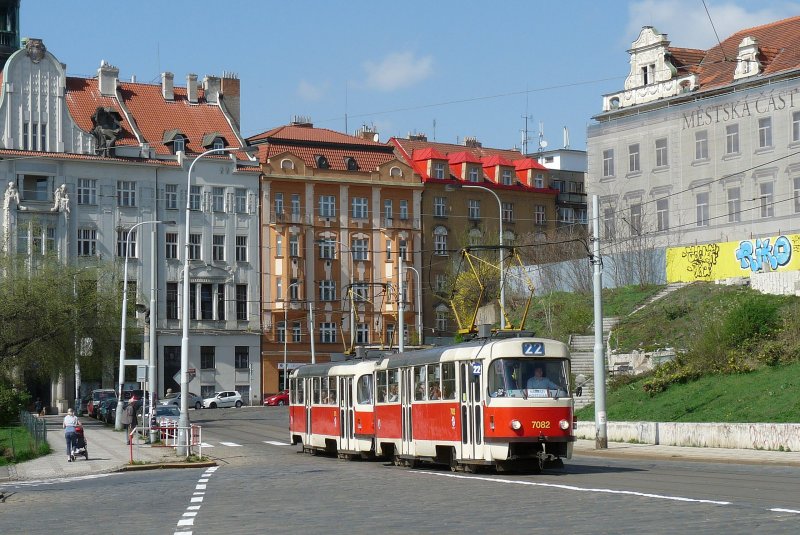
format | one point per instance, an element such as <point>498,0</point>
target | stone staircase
<point>581,348</point>
<point>668,289</point>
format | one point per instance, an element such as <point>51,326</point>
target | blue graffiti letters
<point>755,256</point>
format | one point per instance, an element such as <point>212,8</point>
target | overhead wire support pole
<point>601,436</point>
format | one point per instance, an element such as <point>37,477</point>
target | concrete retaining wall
<point>705,435</point>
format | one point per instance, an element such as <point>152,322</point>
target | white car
<point>226,398</point>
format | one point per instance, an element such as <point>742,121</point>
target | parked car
<point>167,414</point>
<point>226,398</point>
<point>174,398</point>
<point>136,393</point>
<point>106,411</point>
<point>281,398</point>
<point>98,395</point>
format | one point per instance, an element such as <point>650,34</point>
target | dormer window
<point>218,144</point>
<point>473,174</point>
<point>179,144</point>
<point>214,140</point>
<point>351,163</point>
<point>438,170</point>
<point>176,139</point>
<point>506,177</point>
<point>649,74</point>
<point>321,161</point>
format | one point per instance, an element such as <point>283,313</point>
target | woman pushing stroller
<point>71,422</point>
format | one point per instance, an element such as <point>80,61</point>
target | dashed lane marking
<point>781,510</point>
<point>39,482</point>
<point>276,443</point>
<point>231,444</point>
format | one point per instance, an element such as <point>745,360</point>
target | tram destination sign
<point>533,348</point>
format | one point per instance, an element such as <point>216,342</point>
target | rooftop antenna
<point>434,129</point>
<point>542,140</point>
<point>345,105</point>
<point>566,137</point>
<point>525,137</point>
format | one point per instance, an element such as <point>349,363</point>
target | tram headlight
<point>563,424</point>
<point>516,425</point>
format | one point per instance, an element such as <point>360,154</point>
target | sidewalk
<point>107,453</point>
<point>623,450</point>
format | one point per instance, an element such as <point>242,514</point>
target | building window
<point>294,289</point>
<point>278,203</point>
<point>122,244</point>
<point>327,206</point>
<point>440,281</point>
<point>327,332</point>
<point>440,241</point>
<point>388,250</point>
<point>796,126</point>
<point>42,142</point>
<point>539,214</point>
<point>538,181</point>
<point>327,290</point>
<point>218,199</point>
<point>294,245</point>
<point>701,145</point>
<point>661,152</point>
<point>360,292</point>
<point>439,207</point>
<point>608,162</point>
<point>241,302</point>
<point>172,301</point>
<point>218,247</point>
<point>240,200</point>
<point>178,145</point>
<point>403,210</point>
<point>633,159</point>
<point>359,207</point>
<point>636,218</point>
<point>732,139</point>
<point>609,225</point>
<point>662,215</point>
<point>278,245</point>
<point>508,211</point>
<point>241,248</point>
<point>126,193</point>
<point>438,170</point>
<point>295,200</point>
<point>566,214</point>
<point>797,195</point>
<point>702,209</point>
<point>171,245</point>
<point>25,133</point>
<point>765,133</point>
<point>734,205</point>
<point>402,249</point>
<point>210,295</point>
<point>87,242</point>
<point>241,357</point>
<point>194,197</point>
<point>360,249</point>
<point>474,209</point>
<point>507,177</point>
<point>473,173</point>
<point>649,74</point>
<point>279,289</point>
<point>87,191</point>
<point>207,357</point>
<point>296,332</point>
<point>171,196</point>
<point>766,199</point>
<point>327,249</point>
<point>194,246</point>
<point>362,333</point>
<point>441,321</point>
<point>387,209</point>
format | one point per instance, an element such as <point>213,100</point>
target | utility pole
<point>400,308</point>
<point>601,436</point>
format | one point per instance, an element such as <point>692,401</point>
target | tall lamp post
<point>502,260</point>
<point>118,419</point>
<point>183,419</point>
<point>419,302</point>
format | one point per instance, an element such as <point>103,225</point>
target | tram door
<point>346,415</point>
<point>471,410</point>
<point>306,386</point>
<point>406,389</point>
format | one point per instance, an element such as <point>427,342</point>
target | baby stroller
<point>79,444</point>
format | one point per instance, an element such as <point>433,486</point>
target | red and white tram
<point>503,403</point>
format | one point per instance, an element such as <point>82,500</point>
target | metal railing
<point>169,435</point>
<point>36,426</point>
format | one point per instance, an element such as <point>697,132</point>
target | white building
<point>122,150</point>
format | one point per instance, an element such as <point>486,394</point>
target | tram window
<point>301,398</point>
<point>324,391</point>
<point>380,381</point>
<point>394,385</point>
<point>434,388</point>
<point>292,390</point>
<point>333,390</point>
<point>420,393</point>
<point>316,389</point>
<point>518,377</point>
<point>365,389</point>
<point>449,380</point>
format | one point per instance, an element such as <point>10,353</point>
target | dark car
<point>98,395</point>
<point>106,410</point>
<point>128,394</point>
<point>281,398</point>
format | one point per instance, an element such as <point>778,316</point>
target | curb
<point>165,466</point>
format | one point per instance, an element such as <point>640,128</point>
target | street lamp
<point>183,419</point>
<point>502,261</point>
<point>118,419</point>
<point>419,302</point>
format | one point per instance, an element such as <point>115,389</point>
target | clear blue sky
<point>475,68</point>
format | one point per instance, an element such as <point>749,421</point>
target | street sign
<point>191,373</point>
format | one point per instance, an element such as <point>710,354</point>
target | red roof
<point>528,163</point>
<point>495,160</point>
<point>428,153</point>
<point>307,142</point>
<point>462,157</point>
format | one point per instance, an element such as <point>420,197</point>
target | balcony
<point>402,223</point>
<point>571,198</point>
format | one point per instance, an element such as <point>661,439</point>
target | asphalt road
<point>262,486</point>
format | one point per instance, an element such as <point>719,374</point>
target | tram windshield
<point>524,377</point>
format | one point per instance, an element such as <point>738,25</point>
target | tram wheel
<point>396,460</point>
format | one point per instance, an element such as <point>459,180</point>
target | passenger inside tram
<point>393,393</point>
<point>526,378</point>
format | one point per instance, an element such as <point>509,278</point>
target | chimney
<point>368,132</point>
<point>108,75</point>
<point>167,89</point>
<point>191,88</point>
<point>472,142</point>
<point>417,137</point>
<point>231,94</point>
<point>211,86</point>
<point>302,120</point>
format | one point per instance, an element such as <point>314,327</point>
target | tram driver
<point>539,381</point>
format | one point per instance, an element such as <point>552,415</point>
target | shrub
<point>11,400</point>
<point>755,317</point>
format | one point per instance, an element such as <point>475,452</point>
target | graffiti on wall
<point>715,261</point>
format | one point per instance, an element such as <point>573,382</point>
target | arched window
<point>440,241</point>
<point>395,172</point>
<point>286,163</point>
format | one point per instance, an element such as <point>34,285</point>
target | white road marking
<point>202,480</point>
<point>197,487</point>
<point>182,533</point>
<point>582,489</point>
<point>37,482</point>
<point>193,508</point>
<point>231,444</point>
<point>212,469</point>
<point>196,499</point>
<point>190,514</point>
<point>276,443</point>
<point>186,522</point>
<point>206,445</point>
<point>781,510</point>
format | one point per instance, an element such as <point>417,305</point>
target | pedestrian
<point>38,406</point>
<point>129,419</point>
<point>70,423</point>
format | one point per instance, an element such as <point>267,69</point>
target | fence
<point>36,427</point>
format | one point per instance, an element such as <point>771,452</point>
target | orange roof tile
<point>83,98</point>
